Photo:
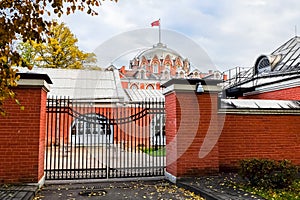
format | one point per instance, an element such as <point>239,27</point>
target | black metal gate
<point>90,140</point>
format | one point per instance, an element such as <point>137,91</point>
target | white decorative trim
<point>170,177</point>
<point>34,83</point>
<point>179,87</point>
<point>189,88</point>
<point>257,111</point>
<point>212,88</point>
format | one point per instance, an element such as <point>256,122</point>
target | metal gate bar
<point>88,141</point>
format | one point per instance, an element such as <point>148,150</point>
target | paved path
<point>210,188</point>
<point>17,192</point>
<point>158,189</point>
<point>217,187</point>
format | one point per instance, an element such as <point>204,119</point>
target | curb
<point>203,193</point>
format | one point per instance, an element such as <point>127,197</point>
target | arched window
<point>167,67</point>
<point>150,87</point>
<point>181,74</point>
<point>91,129</point>
<point>167,74</point>
<point>134,86</point>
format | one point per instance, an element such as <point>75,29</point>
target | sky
<point>220,34</point>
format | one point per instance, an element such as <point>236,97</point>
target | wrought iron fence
<point>89,140</point>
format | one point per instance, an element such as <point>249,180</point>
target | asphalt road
<point>115,191</point>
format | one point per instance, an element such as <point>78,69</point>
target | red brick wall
<point>22,139</point>
<point>263,136</point>
<point>171,129</point>
<point>284,94</point>
<point>233,136</point>
<point>183,144</point>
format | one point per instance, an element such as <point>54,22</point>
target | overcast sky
<point>230,32</point>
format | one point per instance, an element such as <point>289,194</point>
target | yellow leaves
<point>53,41</point>
<point>24,19</point>
<point>7,80</point>
<point>3,59</point>
<point>60,50</point>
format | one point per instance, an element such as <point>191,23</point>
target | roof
<point>282,64</point>
<point>288,56</point>
<point>139,95</point>
<point>160,50</point>
<point>84,84</point>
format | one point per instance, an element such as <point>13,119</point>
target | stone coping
<point>33,80</point>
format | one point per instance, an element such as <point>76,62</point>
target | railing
<point>234,76</point>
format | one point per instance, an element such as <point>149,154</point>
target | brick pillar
<point>22,132</point>
<point>191,128</point>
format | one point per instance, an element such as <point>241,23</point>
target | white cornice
<point>189,88</point>
<point>34,83</point>
<point>258,111</point>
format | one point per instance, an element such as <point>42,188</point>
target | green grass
<point>161,151</point>
<point>290,193</point>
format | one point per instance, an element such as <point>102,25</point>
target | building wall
<point>283,94</point>
<point>266,135</point>
<point>22,136</point>
<point>183,143</point>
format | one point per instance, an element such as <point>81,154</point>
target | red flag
<point>155,23</point>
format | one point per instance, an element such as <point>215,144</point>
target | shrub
<point>268,173</point>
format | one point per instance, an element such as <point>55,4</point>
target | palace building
<point>156,65</point>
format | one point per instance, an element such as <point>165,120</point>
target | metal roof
<point>84,84</point>
<point>288,55</point>
<point>139,95</point>
<point>282,64</point>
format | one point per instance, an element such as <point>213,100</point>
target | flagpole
<point>159,33</point>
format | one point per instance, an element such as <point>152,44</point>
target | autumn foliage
<point>26,20</point>
<point>59,50</point>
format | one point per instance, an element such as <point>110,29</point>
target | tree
<point>90,62</point>
<point>26,19</point>
<point>60,50</point>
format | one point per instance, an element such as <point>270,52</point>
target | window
<point>181,74</point>
<point>150,87</point>
<point>91,129</point>
<point>155,68</point>
<point>167,75</point>
<point>142,75</point>
<point>168,67</point>
<point>134,86</point>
